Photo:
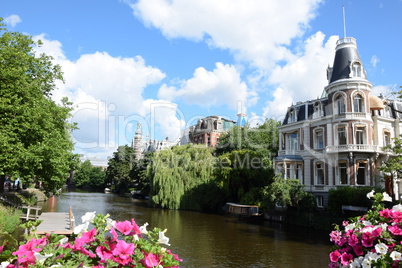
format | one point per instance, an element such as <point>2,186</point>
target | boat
<point>107,190</point>
<point>241,210</point>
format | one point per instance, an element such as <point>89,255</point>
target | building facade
<point>141,147</point>
<point>338,139</point>
<point>208,129</point>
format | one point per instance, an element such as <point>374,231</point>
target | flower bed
<point>108,244</point>
<point>372,240</point>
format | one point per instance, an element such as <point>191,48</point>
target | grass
<point>9,219</point>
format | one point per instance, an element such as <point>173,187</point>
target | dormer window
<point>356,69</point>
<point>292,115</point>
<point>317,110</point>
<point>358,104</point>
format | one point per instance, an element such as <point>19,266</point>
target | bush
<point>346,195</point>
<point>9,219</point>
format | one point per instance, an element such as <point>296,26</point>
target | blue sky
<point>166,63</point>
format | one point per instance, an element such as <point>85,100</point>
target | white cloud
<point>12,20</point>
<point>255,31</point>
<point>107,96</point>
<point>222,86</point>
<point>374,60</point>
<point>303,78</point>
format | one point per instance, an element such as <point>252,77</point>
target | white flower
<point>384,226</point>
<point>110,223</point>
<point>88,217</point>
<point>396,256</point>
<point>367,223</point>
<point>355,264</point>
<point>41,258</point>
<point>381,248</point>
<point>397,208</point>
<point>372,256</point>
<point>366,263</point>
<point>136,238</point>
<point>163,239</point>
<point>56,265</point>
<point>386,197</point>
<point>370,194</point>
<point>4,264</point>
<point>81,228</point>
<point>143,228</point>
<point>63,241</point>
<point>350,226</point>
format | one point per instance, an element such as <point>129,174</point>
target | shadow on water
<point>210,240</point>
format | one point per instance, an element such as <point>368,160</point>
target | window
<point>319,139</point>
<point>343,172</point>
<point>387,110</point>
<point>292,143</point>
<point>340,103</point>
<point>360,135</point>
<point>319,173</point>
<point>356,69</point>
<point>299,174</point>
<point>317,110</point>
<point>289,171</point>
<point>341,135</point>
<point>387,138</point>
<point>361,173</point>
<point>358,104</point>
<point>292,115</point>
<point>280,170</point>
<point>320,201</point>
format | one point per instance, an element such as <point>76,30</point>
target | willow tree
<point>35,134</point>
<point>179,177</point>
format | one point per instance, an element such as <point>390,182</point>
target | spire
<point>347,63</point>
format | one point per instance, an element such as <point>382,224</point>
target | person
<point>17,184</point>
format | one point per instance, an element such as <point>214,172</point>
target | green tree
<point>263,139</point>
<point>241,173</point>
<point>89,177</point>
<point>285,192</point>
<point>179,175</point>
<point>119,168</point>
<point>35,140</point>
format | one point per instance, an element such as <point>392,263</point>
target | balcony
<point>351,116</point>
<point>353,148</point>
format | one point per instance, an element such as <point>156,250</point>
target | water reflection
<point>205,240</point>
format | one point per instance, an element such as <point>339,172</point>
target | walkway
<point>62,223</point>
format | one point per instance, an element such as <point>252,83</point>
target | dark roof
<point>346,53</point>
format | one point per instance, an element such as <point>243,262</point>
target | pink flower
<point>353,240</point>
<point>136,228</point>
<point>367,239</point>
<point>334,256</point>
<point>124,227</point>
<point>395,230</point>
<point>175,256</point>
<point>358,250</point>
<point>122,252</point>
<point>150,260</point>
<point>346,258</point>
<point>386,213</point>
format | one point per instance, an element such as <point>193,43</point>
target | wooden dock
<point>62,223</point>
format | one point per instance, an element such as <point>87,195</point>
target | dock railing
<point>71,217</point>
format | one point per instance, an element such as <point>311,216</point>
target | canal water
<point>207,240</point>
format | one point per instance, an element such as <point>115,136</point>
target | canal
<point>207,240</point>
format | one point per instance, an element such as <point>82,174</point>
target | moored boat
<point>241,210</point>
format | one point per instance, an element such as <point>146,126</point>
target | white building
<point>337,140</point>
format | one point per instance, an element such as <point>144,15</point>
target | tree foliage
<point>263,139</point>
<point>35,140</point>
<point>120,167</point>
<point>240,172</point>
<point>179,171</point>
<point>89,177</point>
<point>284,192</point>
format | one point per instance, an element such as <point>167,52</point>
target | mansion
<point>338,139</point>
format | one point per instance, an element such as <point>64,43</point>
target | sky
<point>167,63</point>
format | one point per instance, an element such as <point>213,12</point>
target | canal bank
<point>208,240</point>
